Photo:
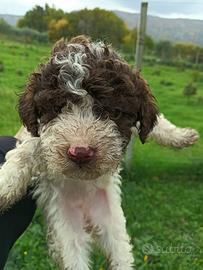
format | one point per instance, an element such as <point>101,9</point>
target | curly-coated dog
<point>80,108</point>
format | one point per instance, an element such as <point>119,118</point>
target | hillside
<point>11,19</point>
<point>169,29</point>
<point>177,30</point>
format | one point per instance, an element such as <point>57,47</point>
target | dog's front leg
<point>109,219</point>
<point>167,134</point>
<point>15,173</point>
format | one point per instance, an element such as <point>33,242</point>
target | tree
<point>99,24</point>
<point>58,29</point>
<point>164,50</point>
<point>187,51</point>
<point>39,18</point>
<point>52,13</point>
<point>189,90</point>
<point>129,41</point>
<point>34,19</point>
<point>149,43</point>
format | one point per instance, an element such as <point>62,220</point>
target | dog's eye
<point>57,109</point>
<point>117,114</point>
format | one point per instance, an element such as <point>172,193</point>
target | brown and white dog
<point>80,108</point>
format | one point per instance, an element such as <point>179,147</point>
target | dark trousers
<point>14,221</point>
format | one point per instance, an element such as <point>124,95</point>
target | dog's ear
<point>148,109</point>
<point>26,106</point>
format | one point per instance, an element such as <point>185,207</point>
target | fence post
<point>138,59</point>
<point>141,35</point>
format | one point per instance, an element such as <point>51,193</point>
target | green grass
<point>163,198</point>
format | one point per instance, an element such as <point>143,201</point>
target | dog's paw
<point>185,137</point>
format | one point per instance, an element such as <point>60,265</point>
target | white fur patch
<point>72,72</point>
<point>74,66</point>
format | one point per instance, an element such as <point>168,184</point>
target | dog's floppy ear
<point>148,110</point>
<point>26,106</point>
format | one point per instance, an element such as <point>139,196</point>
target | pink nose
<point>81,154</point>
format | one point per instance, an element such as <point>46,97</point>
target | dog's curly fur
<point>118,91</point>
<point>85,95</point>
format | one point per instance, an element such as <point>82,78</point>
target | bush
<point>4,27</point>
<point>150,60</point>
<point>156,72</point>
<point>195,75</point>
<point>189,90</point>
<point>24,34</point>
<point>30,35</point>
<point>180,66</point>
<point>166,83</point>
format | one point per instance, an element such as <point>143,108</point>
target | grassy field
<point>163,200</point>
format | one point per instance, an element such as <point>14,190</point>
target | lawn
<point>163,198</point>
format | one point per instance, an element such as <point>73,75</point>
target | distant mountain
<point>177,30</point>
<point>11,19</point>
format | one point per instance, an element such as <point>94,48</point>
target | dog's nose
<point>81,154</point>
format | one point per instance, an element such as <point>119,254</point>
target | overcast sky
<point>164,8</point>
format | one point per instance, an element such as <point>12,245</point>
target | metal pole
<point>138,60</point>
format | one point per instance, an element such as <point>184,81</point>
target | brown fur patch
<point>122,94</point>
<point>119,92</point>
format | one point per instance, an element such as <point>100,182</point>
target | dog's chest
<point>84,204</point>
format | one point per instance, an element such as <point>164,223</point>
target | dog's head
<point>83,103</point>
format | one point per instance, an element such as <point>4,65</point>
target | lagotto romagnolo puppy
<point>80,108</point>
